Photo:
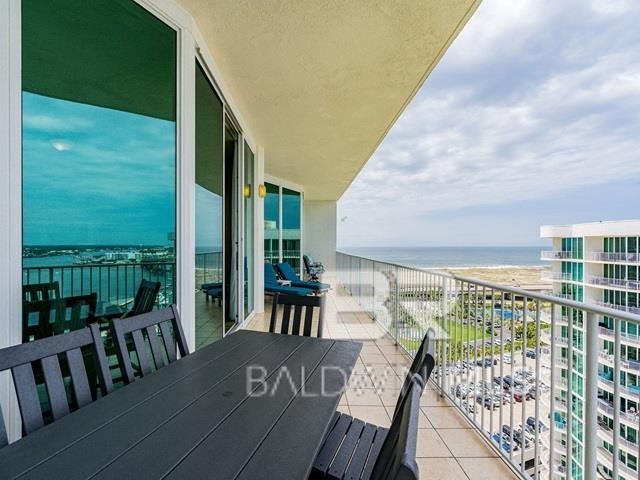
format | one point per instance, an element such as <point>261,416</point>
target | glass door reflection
<point>209,223</point>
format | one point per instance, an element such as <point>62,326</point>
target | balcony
<point>613,257</point>
<point>609,359</point>
<point>607,384</point>
<point>560,277</point>
<point>557,255</point>
<point>622,308</point>
<point>620,283</point>
<point>605,457</point>
<point>498,387</point>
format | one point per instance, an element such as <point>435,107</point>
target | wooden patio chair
<point>157,326</point>
<point>300,305</point>
<point>356,449</point>
<point>45,355</point>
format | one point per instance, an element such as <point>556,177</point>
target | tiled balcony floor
<point>448,447</point>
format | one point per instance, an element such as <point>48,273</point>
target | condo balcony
<point>622,308</point>
<point>561,277</point>
<point>613,257</point>
<point>168,166</point>
<point>619,283</point>
<point>557,255</point>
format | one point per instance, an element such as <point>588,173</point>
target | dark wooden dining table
<point>253,405</point>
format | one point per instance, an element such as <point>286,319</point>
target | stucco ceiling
<point>320,83</point>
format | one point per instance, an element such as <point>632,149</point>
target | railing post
<point>591,398</point>
<point>396,314</point>
<point>444,336</point>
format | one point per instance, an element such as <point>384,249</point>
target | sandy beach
<point>528,277</point>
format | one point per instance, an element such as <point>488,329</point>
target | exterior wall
<point>320,232</point>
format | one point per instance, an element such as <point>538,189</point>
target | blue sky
<point>532,117</point>
<point>96,176</point>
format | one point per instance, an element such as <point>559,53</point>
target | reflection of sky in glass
<point>97,176</point>
<point>290,210</point>
<point>208,220</point>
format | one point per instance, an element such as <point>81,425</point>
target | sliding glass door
<point>99,161</point>
<point>282,226</point>
<point>209,221</point>
<point>248,195</point>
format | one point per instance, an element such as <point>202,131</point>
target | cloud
<point>532,100</point>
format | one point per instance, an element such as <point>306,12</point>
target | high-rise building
<point>597,263</point>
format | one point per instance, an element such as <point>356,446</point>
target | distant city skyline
<point>530,118</point>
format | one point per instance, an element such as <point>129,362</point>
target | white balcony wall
<point>320,232</point>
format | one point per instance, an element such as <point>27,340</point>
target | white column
<point>10,199</point>
<point>591,397</point>
<point>320,232</point>
<point>258,249</point>
<point>186,178</point>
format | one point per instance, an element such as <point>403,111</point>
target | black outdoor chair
<point>312,269</point>
<point>164,324</point>
<point>44,318</point>
<point>145,298</point>
<point>45,355</point>
<point>306,305</point>
<point>355,449</point>
<point>144,302</point>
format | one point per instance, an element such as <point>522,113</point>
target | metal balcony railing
<point>615,282</point>
<point>622,308</point>
<point>115,283</point>
<point>614,257</point>
<point>559,255</point>
<point>561,276</point>
<point>495,365</point>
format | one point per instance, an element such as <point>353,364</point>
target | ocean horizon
<point>453,257</point>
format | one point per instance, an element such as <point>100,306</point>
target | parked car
<point>486,362</point>
<point>531,424</point>
<point>531,353</point>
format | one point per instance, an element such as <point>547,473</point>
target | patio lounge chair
<point>288,273</point>
<point>213,290</point>
<point>272,286</point>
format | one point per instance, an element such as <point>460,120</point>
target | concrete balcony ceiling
<point>320,83</point>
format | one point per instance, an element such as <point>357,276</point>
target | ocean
<point>438,257</point>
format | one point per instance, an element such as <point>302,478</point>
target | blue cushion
<point>270,277</point>
<point>302,292</point>
<point>289,274</point>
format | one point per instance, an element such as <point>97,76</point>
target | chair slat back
<point>38,319</point>
<point>45,353</point>
<point>300,306</point>
<point>145,298</point>
<point>36,292</point>
<point>150,325</point>
<point>397,457</point>
<point>74,313</point>
<point>423,363</point>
